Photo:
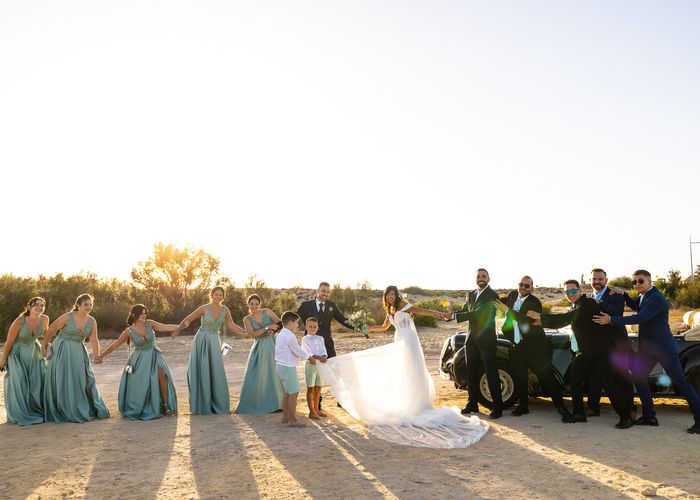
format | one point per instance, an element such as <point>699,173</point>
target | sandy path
<point>254,456</point>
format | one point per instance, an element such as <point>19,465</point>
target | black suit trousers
<point>599,366</point>
<point>476,356</point>
<point>521,360</point>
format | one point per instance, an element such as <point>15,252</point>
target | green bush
<point>689,295</point>
<point>623,282</point>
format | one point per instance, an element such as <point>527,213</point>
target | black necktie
<point>320,308</point>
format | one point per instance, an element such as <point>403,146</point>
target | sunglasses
<point>524,285</point>
<point>571,291</point>
<point>640,281</point>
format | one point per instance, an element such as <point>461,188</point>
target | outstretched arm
<point>51,331</point>
<point>233,326</point>
<point>11,336</point>
<point>340,318</point>
<point>378,329</point>
<point>113,346</point>
<point>197,313</point>
<point>161,327</point>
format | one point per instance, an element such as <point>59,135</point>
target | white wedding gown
<point>390,389</point>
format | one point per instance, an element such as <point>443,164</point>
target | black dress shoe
<point>520,411</point>
<point>577,417</point>
<point>565,415</point>
<point>624,423</point>
<point>647,421</point>
<point>695,429</point>
<point>495,414</point>
<point>469,409</point>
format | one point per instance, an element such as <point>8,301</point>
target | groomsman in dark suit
<point>614,305</point>
<point>325,311</point>
<point>530,348</point>
<point>594,347</point>
<point>656,345</point>
<point>480,348</point>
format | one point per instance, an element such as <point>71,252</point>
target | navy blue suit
<point>656,345</point>
<point>621,357</point>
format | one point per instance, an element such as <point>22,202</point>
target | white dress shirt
<point>314,344</point>
<point>287,350</point>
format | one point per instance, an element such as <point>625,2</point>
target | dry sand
<point>232,456</point>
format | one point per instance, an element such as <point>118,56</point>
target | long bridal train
<point>389,388</point>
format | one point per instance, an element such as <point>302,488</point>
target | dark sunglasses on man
<point>640,281</point>
<point>524,285</point>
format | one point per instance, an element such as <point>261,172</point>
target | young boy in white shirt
<point>313,344</point>
<point>287,352</point>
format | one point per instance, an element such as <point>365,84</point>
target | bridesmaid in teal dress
<point>25,366</point>
<point>206,377</point>
<point>146,389</point>
<point>70,392</point>
<point>261,390</point>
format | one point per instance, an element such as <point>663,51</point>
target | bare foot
<point>296,423</point>
<point>313,416</point>
<point>322,413</point>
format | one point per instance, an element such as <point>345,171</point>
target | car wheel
<point>508,392</point>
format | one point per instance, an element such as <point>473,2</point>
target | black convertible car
<point>453,366</point>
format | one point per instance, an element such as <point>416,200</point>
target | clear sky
<point>395,142</point>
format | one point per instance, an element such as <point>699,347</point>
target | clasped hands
<point>315,358</point>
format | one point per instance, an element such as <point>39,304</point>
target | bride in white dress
<point>389,387</point>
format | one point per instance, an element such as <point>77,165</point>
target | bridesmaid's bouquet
<point>359,321</point>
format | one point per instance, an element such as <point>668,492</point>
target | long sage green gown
<point>70,392</point>
<point>24,380</point>
<point>206,377</point>
<point>261,390</point>
<point>139,391</point>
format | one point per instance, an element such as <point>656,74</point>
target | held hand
<point>323,359</point>
<point>602,319</point>
<point>3,363</point>
<point>312,360</point>
<point>272,329</point>
<point>98,359</point>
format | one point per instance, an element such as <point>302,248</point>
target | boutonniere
<point>330,309</point>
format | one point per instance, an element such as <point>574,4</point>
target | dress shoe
<point>695,429</point>
<point>495,414</point>
<point>520,411</point>
<point>647,421</point>
<point>469,409</point>
<point>565,415</point>
<point>624,423</point>
<point>577,417</point>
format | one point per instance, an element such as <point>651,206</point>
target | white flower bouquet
<point>359,321</point>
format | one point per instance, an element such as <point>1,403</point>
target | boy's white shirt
<point>314,344</point>
<point>287,350</point>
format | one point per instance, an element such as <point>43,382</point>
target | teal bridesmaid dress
<point>70,392</point>
<point>261,390</point>
<point>139,391</point>
<point>24,380</point>
<point>206,377</point>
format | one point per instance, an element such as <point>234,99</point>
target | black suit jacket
<point>308,309</point>
<point>594,340</point>
<point>533,338</point>
<point>481,315</point>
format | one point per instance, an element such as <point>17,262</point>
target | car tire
<point>508,389</point>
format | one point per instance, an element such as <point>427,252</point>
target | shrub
<point>436,304</point>
<point>621,282</point>
<point>689,295</point>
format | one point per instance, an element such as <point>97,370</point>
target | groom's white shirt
<point>287,350</point>
<point>318,305</point>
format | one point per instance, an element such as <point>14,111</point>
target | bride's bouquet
<point>359,321</point>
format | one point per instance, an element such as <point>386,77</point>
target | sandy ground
<point>231,456</point>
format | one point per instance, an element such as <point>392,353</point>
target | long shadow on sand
<point>133,452</point>
<point>219,461</point>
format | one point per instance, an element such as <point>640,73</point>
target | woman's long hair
<point>136,311</point>
<point>31,304</point>
<point>391,308</point>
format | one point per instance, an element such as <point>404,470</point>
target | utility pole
<point>692,269</point>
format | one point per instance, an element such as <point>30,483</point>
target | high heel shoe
<point>166,410</point>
